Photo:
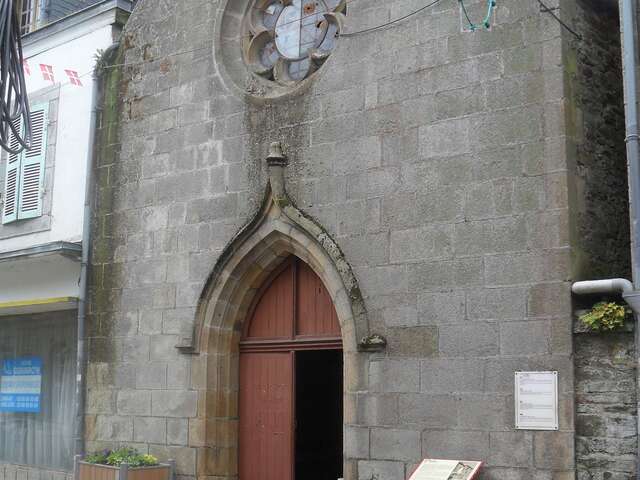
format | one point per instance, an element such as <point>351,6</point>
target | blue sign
<point>20,384</point>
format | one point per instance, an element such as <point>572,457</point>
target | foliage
<point>122,455</point>
<point>605,316</point>
<point>101,61</point>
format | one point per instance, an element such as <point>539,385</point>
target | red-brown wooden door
<point>293,312</point>
<point>266,416</point>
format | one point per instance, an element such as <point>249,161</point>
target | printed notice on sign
<point>20,385</point>
<point>536,400</point>
<point>432,469</point>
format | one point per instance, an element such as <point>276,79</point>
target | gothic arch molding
<point>278,231</point>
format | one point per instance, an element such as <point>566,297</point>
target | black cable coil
<point>14,105</point>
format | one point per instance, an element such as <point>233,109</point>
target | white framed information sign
<point>536,399</point>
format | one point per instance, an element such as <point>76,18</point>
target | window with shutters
<point>24,175</point>
<point>29,13</point>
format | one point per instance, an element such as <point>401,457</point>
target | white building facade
<point>42,198</point>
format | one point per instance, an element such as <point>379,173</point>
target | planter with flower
<point>122,464</point>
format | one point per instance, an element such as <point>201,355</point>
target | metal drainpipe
<point>612,285</point>
<point>628,23</point>
<point>81,355</point>
<point>631,114</point>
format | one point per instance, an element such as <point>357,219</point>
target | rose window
<point>287,40</point>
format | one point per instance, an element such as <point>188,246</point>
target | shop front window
<point>37,385</point>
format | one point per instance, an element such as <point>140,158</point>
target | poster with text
<point>536,399</point>
<point>20,385</point>
<point>434,469</point>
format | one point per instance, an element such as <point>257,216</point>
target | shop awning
<point>39,279</point>
<point>38,305</point>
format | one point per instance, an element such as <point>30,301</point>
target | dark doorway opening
<point>318,435</point>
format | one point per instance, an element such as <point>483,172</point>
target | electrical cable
<point>14,104</point>
<point>347,34</point>
<point>486,22</point>
<point>378,27</point>
<point>567,27</point>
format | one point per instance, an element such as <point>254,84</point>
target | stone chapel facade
<point>443,187</point>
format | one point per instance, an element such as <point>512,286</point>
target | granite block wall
<point>606,407</point>
<point>435,159</point>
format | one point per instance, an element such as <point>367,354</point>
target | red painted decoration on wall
<point>74,78</point>
<point>47,73</point>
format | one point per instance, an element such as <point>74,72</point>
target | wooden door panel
<point>316,315</point>
<point>273,314</point>
<point>266,416</point>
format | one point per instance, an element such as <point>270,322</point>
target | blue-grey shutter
<point>32,166</point>
<point>12,174</point>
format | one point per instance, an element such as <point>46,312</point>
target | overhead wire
<point>546,9</point>
<point>146,62</point>
<point>345,34</point>
<point>399,19</point>
<point>15,121</point>
<point>490,7</point>
<point>486,22</point>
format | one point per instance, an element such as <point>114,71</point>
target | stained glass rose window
<point>287,40</point>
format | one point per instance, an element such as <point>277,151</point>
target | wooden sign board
<point>432,469</point>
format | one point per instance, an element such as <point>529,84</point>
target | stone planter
<point>89,471</point>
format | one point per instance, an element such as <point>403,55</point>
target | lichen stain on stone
<point>621,355</point>
<point>128,42</point>
<point>595,120</point>
<point>102,247</point>
<point>283,120</point>
<point>165,66</point>
<point>147,52</point>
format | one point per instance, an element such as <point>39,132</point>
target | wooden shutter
<point>32,166</point>
<point>10,208</point>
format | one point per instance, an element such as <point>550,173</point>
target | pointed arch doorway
<point>291,380</point>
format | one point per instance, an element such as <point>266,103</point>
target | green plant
<point>605,316</point>
<point>127,455</point>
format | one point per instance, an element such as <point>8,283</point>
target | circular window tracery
<point>287,40</point>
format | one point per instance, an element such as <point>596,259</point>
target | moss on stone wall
<point>605,387</point>
<point>107,147</point>
<point>601,214</point>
